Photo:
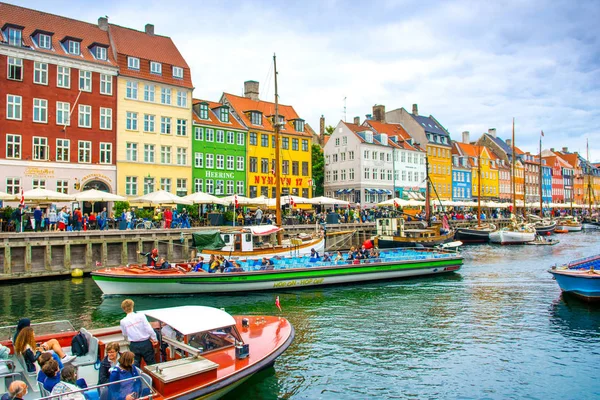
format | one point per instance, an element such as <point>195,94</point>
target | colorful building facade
<point>462,189</point>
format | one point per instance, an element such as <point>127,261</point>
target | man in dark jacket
<point>37,216</point>
<point>17,216</point>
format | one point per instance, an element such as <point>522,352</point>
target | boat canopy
<point>192,319</point>
<point>263,230</point>
<point>207,240</point>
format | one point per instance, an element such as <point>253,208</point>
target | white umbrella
<point>285,199</point>
<point>204,198</point>
<point>94,195</point>
<point>242,200</point>
<point>327,201</point>
<point>160,197</point>
<point>393,202</point>
<point>46,195</point>
<point>7,197</point>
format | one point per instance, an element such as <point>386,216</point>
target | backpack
<point>79,345</point>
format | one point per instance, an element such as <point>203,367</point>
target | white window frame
<point>17,65</point>
<point>198,133</point>
<point>229,187</point>
<point>85,80</point>
<point>40,73</point>
<point>165,155</point>
<point>181,98</point>
<point>220,161</point>
<point>131,185</point>
<point>39,148</point>
<point>165,125</point>
<point>210,135</point>
<point>199,160</point>
<point>131,121</point>
<point>149,123</point>
<point>106,84</point>
<point>84,111</point>
<point>13,185</point>
<point>240,161</point>
<point>241,139</point>
<point>86,147</point>
<point>165,184</point>
<point>149,153</point>
<point>73,47</point>
<point>230,137</point>
<point>180,185</point>
<point>209,161</point>
<point>44,41</point>
<point>14,37</point>
<point>177,72</point>
<point>62,186</point>
<point>198,185</point>
<point>105,153</point>
<point>181,127</point>
<point>133,63</point>
<point>240,187</point>
<point>149,93</point>
<point>131,90</point>
<point>181,156</point>
<point>15,106</point>
<point>220,136</point>
<point>101,53</point>
<point>131,151</point>
<point>230,163</point>
<point>16,141</point>
<point>106,118</point>
<point>155,68</point>
<point>40,111</point>
<point>63,110</point>
<point>165,95</point>
<point>63,150</point>
<point>65,74</point>
<point>38,183</point>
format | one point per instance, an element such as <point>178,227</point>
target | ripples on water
<point>497,329</point>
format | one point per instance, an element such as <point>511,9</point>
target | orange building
<point>578,178</point>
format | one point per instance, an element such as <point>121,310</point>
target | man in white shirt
<point>139,333</point>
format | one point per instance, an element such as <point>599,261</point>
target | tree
<point>318,170</point>
<point>329,130</point>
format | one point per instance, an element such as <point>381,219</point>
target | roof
<point>395,130</point>
<point>571,158</point>
<point>430,124</point>
<point>60,28</point>
<point>242,105</point>
<point>146,47</point>
<point>191,319</point>
<point>501,143</point>
<point>213,119</point>
<point>360,130</point>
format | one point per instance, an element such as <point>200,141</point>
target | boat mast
<point>479,185</point>
<point>589,190</point>
<point>277,177</point>
<point>514,185</point>
<point>427,193</point>
<point>541,186</point>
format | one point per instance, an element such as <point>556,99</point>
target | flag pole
<point>541,181</point>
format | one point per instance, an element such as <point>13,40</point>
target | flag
<point>22,202</point>
<point>277,304</point>
<point>542,133</point>
<point>235,199</point>
<point>291,200</point>
<point>395,204</point>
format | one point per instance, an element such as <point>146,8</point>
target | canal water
<point>497,329</point>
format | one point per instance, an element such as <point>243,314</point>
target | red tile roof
<point>395,130</point>
<point>242,105</point>
<point>60,27</point>
<point>213,119</point>
<point>133,43</point>
<point>360,128</point>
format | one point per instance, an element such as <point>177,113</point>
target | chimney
<point>322,126</point>
<point>149,29</point>
<point>415,110</point>
<point>565,149</point>
<point>251,90</point>
<point>552,149</point>
<point>379,113</point>
<point>466,137</point>
<point>103,23</point>
<point>492,132</point>
<point>368,117</point>
<point>356,120</point>
<point>509,142</point>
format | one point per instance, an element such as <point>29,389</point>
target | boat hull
<point>569,228</point>
<point>395,242</point>
<point>590,226</point>
<point>270,280</point>
<point>583,285</point>
<point>544,230</point>
<point>257,254</point>
<point>472,235</point>
<point>511,237</point>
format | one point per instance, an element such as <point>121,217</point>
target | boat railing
<point>583,260</point>
<point>41,329</point>
<point>146,390</point>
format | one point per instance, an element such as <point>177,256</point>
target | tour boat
<point>570,224</point>
<point>288,272</point>
<point>580,277</point>
<point>519,234</point>
<point>208,352</point>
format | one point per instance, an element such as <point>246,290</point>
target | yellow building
<point>295,168</point>
<point>154,114</point>
<point>488,169</point>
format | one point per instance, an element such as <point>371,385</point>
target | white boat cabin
<point>248,239</point>
<point>395,227</point>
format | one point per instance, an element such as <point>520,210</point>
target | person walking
<point>139,333</point>
<point>168,218</point>
<point>37,217</point>
<point>258,216</point>
<point>103,219</point>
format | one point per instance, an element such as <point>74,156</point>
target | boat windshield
<point>214,339</point>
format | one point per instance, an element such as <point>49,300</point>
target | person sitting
<point>25,322</point>
<point>326,257</point>
<point>67,384</point>
<point>163,264</point>
<point>374,253</point>
<point>235,267</point>
<point>152,257</point>
<point>16,391</point>
<point>314,253</point>
<point>338,257</point>
<point>350,256</point>
<point>267,264</point>
<point>123,370</point>
<point>213,264</point>
<point>25,346</point>
<point>42,360</point>
<point>110,360</point>
<point>51,373</point>
<point>199,265</point>
<point>226,263</point>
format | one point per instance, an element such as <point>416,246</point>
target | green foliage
<point>229,216</point>
<point>329,130</point>
<point>146,213</point>
<point>6,212</point>
<point>318,169</point>
<point>193,211</point>
<point>119,206</point>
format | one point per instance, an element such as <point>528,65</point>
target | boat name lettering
<point>299,282</point>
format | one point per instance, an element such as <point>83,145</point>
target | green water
<point>497,329</point>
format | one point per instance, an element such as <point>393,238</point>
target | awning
<point>348,191</point>
<point>340,191</point>
<point>381,191</point>
<point>388,191</point>
<point>263,230</point>
<point>370,190</point>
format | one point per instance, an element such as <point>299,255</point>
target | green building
<point>219,150</point>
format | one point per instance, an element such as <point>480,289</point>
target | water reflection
<point>575,318</point>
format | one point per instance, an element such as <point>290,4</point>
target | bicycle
<point>147,224</point>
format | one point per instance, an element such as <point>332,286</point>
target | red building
<point>57,103</point>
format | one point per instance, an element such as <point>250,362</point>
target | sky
<point>473,65</point>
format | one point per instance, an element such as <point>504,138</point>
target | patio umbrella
<point>204,198</point>
<point>7,197</point>
<point>160,197</point>
<point>45,195</point>
<point>327,201</point>
<point>285,199</point>
<point>242,200</point>
<point>94,195</point>
<point>393,202</point>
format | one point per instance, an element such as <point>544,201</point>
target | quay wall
<point>46,254</point>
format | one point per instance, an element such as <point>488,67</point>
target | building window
<point>295,144</point>
<point>253,164</point>
<point>181,98</point>
<point>155,68</point>
<point>367,173</point>
<point>240,188</point>
<point>210,135</point>
<point>131,151</point>
<point>133,63</point>
<point>74,47</point>
<point>199,133</point>
<point>181,156</point>
<point>63,149</point>
<point>285,167</point>
<point>220,161</point>
<point>44,41</point>
<point>131,90</point>
<point>304,145</point>
<point>100,53</point>
<point>240,163</point>
<point>40,110</point>
<point>230,163</point>
<point>38,184</point>
<point>40,148</point>
<point>40,73</point>
<point>285,143</point>
<point>165,184</point>
<point>220,136</point>
<point>178,72</point>
<point>224,114</point>
<point>351,174</point>
<point>131,121</point>
<point>299,125</point>
<point>253,138</point>
<point>63,77</point>
<point>85,152</point>
<point>204,111</point>
<point>295,170</point>
<point>165,125</point>
<point>181,127</point>
<point>181,189</point>
<point>209,186</point>
<point>199,160</point>
<point>85,81</point>
<point>230,137</point>
<point>131,185</point>
<point>229,187</point>
<point>304,168</point>
<point>198,185</point>
<point>14,37</point>
<point>106,118</point>
<point>105,153</point>
<point>149,93</point>
<point>13,185</point>
<point>149,123</point>
<point>149,153</point>
<point>165,95</point>
<point>210,161</point>
<point>219,187</point>
<point>14,107</point>
<point>240,139</point>
<point>264,140</point>
<point>264,165</point>
<point>334,176</point>
<point>165,154</point>
<point>105,84</point>
<point>148,185</point>
<point>343,175</point>
<point>15,69</point>
<point>256,118</point>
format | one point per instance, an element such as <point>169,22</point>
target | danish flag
<point>22,202</point>
<point>291,201</point>
<point>235,199</point>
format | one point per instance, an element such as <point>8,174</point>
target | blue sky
<point>474,65</point>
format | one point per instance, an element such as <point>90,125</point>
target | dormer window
<point>224,114</point>
<point>204,111</point>
<point>44,41</point>
<point>133,63</point>
<point>369,137</point>
<point>256,118</point>
<point>73,47</point>
<point>155,68</point>
<point>299,125</point>
<point>178,72</point>
<point>100,53</point>
<point>15,36</point>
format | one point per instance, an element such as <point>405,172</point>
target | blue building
<point>546,183</point>
<point>461,178</point>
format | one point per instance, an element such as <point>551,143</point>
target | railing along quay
<point>45,254</point>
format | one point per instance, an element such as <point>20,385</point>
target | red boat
<point>208,352</point>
